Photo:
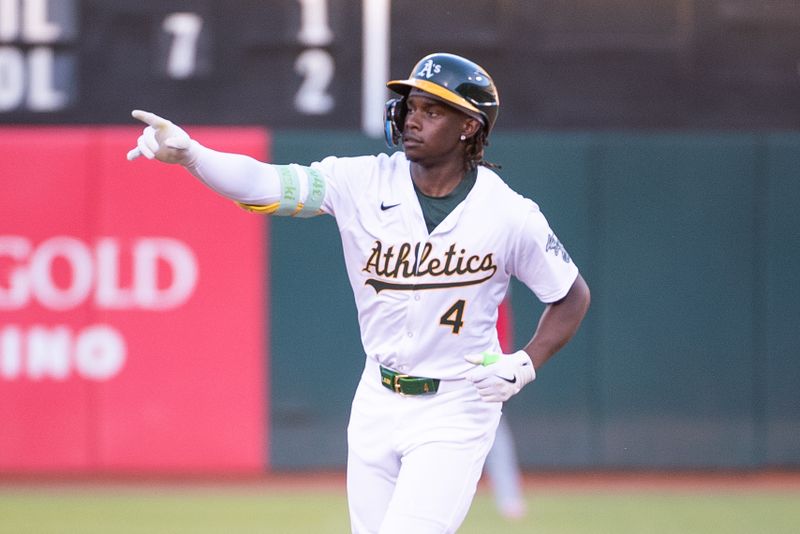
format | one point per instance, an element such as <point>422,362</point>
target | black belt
<point>408,385</point>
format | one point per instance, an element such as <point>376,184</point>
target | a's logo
<point>384,207</point>
<point>558,249</point>
<point>429,69</point>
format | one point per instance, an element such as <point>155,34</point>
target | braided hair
<point>475,146</point>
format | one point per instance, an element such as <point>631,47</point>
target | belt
<point>408,385</point>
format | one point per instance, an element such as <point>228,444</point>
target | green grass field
<point>205,509</point>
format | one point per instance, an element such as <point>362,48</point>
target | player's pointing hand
<point>162,140</point>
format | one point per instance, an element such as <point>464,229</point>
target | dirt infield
<point>586,480</point>
<point>661,480</point>
<point>782,480</point>
<point>598,480</point>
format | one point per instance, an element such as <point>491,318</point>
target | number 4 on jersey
<point>454,315</point>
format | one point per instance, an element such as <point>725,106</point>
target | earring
<point>463,137</point>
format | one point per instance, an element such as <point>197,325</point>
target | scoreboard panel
<point>286,63</point>
<point>561,64</point>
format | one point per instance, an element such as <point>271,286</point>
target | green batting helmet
<point>453,79</point>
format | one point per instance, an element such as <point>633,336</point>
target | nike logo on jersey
<point>384,207</point>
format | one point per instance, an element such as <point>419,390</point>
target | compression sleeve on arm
<point>261,187</point>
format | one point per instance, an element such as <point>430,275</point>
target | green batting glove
<point>484,358</point>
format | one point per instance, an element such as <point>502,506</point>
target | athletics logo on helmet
<point>456,80</point>
<point>429,68</point>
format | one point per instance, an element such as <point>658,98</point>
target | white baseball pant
<point>414,461</point>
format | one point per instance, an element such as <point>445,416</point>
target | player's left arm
<point>559,323</point>
<point>541,262</point>
<point>498,377</point>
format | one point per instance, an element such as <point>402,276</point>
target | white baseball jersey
<point>425,300</point>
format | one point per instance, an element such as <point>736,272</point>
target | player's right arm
<point>273,189</point>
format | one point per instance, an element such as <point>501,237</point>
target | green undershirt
<point>436,209</point>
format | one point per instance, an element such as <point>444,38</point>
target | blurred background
<point>147,327</point>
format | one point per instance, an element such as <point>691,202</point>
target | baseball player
<point>504,475</point>
<point>502,467</point>
<point>431,237</point>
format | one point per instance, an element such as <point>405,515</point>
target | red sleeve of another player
<point>505,326</point>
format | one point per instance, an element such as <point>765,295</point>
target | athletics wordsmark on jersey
<point>410,262</point>
<point>380,285</point>
<point>555,245</point>
<point>384,207</point>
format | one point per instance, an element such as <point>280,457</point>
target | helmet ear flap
<point>394,117</point>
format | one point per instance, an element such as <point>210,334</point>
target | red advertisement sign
<point>132,309</point>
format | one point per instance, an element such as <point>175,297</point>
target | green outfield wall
<point>690,354</point>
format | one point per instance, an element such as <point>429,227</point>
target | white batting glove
<point>499,376</point>
<point>162,140</point>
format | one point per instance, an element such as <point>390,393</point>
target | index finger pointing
<point>133,154</point>
<point>151,119</point>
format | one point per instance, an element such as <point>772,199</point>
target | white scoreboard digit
<point>284,63</point>
<point>37,55</point>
